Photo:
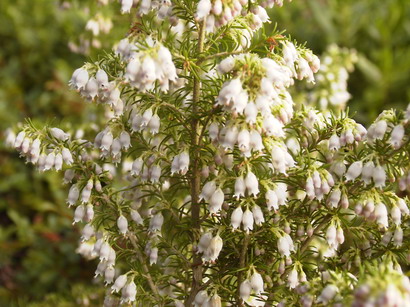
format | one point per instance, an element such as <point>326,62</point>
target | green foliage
<point>36,237</point>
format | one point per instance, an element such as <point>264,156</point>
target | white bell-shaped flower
<point>396,137</point>
<point>214,248</point>
<point>245,290</point>
<point>379,176</point>
<point>367,172</point>
<point>200,298</point>
<point>247,220</point>
<point>382,217</point>
<point>59,134</point>
<point>334,142</point>
<point>256,281</point>
<point>73,195</point>
<point>79,79</point>
<point>89,213</point>
<point>258,215</point>
<point>271,200</point>
<point>109,275</point>
<point>79,214</point>
<point>240,187</point>
<point>327,294</point>
<point>216,201</point>
<point>252,185</point>
<point>137,167</point>
<point>204,242</point>
<point>126,6</point>
<point>119,283</point>
<point>334,198</point>
<point>122,224</point>
<point>207,191</point>
<point>293,280</point>
<point>256,141</point>
<point>156,222</point>
<point>354,171</point>
<point>236,217</point>
<point>226,65</point>
<point>102,79</point>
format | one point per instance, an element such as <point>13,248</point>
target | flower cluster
<point>331,88</point>
<point>147,65</point>
<point>33,146</point>
<point>210,246</point>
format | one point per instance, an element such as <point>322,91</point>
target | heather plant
<point>207,185</point>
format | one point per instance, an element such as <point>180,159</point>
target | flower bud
<point>215,301</point>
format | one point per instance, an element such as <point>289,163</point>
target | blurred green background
<point>378,30</point>
<point>38,263</point>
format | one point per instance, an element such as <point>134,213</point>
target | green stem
<point>242,259</point>
<point>195,179</point>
